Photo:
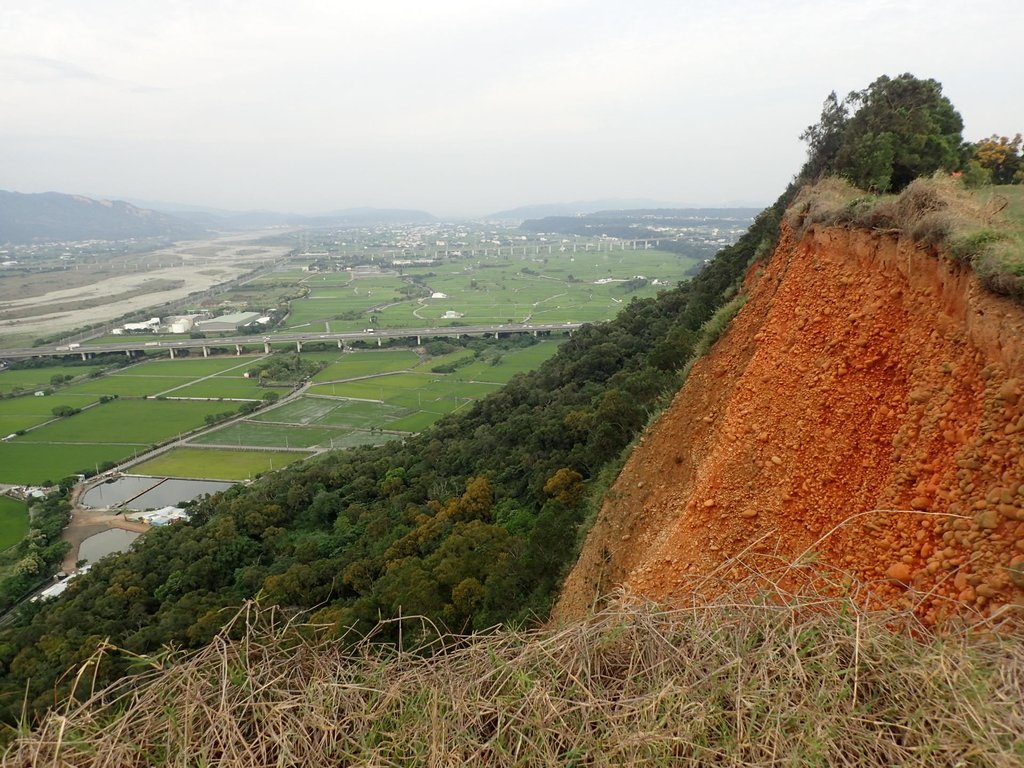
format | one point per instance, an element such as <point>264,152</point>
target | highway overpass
<point>297,340</point>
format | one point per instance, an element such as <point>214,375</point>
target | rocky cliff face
<point>865,407</point>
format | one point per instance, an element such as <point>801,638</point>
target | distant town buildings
<point>195,322</point>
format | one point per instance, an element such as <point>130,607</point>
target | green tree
<point>887,135</point>
<point>904,123</point>
<point>1001,156</point>
<point>825,137</point>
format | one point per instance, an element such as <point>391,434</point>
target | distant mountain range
<point>348,217</point>
<point>53,216</point>
<point>50,216</point>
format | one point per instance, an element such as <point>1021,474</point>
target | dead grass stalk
<point>767,677</point>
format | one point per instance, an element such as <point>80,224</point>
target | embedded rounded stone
<point>899,572</point>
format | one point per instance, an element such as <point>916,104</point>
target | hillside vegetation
<point>982,228</point>
<point>469,524</point>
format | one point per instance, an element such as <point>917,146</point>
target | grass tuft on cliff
<point>733,681</point>
<point>983,228</point>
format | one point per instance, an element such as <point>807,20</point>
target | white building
<point>229,322</point>
<point>150,325</point>
<point>162,516</point>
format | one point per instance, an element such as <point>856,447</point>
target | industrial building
<point>228,323</point>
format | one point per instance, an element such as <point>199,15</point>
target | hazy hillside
<point>577,208</point>
<point>48,216</point>
<point>348,217</point>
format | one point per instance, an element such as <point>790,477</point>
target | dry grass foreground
<point>781,680</point>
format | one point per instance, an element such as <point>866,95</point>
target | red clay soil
<point>864,406</point>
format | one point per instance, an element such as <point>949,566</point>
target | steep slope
<point>864,408</point>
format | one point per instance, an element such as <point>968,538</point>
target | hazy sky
<point>463,106</point>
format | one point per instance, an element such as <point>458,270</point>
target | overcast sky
<point>462,107</point>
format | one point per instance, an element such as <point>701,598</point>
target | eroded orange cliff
<point>865,407</point>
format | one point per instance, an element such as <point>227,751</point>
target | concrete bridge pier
<point>495,334</point>
<point>128,353</point>
<point>238,349</point>
<point>206,351</point>
<point>266,347</point>
<point>172,352</point>
<point>341,344</point>
<point>380,342</point>
<point>418,342</point>
<point>85,355</point>
<point>298,346</point>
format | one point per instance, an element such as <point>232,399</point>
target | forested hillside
<point>472,523</point>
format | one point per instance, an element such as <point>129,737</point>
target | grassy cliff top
<point>982,227</point>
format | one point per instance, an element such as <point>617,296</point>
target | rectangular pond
<point>141,493</point>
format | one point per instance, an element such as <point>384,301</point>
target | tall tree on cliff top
<point>887,135</point>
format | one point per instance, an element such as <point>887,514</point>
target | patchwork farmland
<point>200,413</point>
<point>356,398</point>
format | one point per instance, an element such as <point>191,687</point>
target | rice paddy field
<point>127,422</point>
<point>13,521</point>
<point>35,463</point>
<point>216,464</point>
<point>357,398</point>
<point>40,378</point>
<point>556,287</point>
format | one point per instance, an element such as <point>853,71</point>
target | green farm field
<point>35,463</point>
<point>223,386</point>
<point>368,363</point>
<point>127,386</point>
<point>255,433</point>
<point>127,422</point>
<point>29,411</point>
<point>39,378</point>
<point>358,398</point>
<point>328,299</point>
<point>13,521</point>
<point>190,367</point>
<point>332,412</point>
<point>511,363</point>
<point>216,463</point>
<point>544,287</point>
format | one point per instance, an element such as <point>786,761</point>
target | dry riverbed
<point>191,267</point>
